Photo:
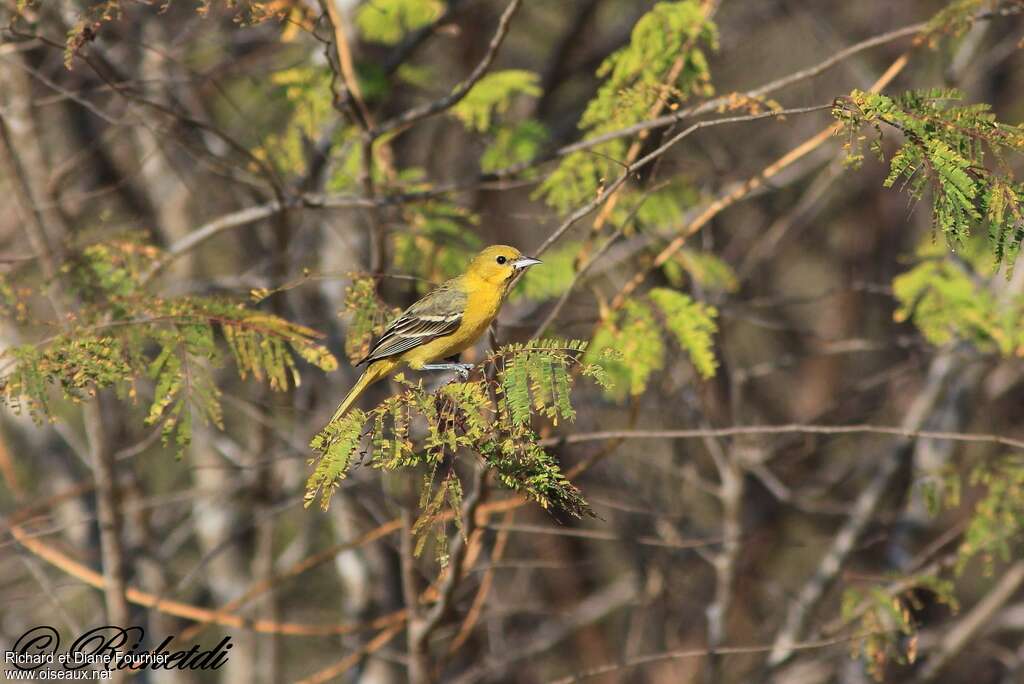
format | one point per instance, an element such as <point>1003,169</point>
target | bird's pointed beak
<point>523,263</point>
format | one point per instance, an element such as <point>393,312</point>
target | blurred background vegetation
<point>785,233</point>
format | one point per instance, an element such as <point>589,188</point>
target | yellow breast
<point>482,306</point>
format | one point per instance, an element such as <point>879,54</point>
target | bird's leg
<point>461,368</point>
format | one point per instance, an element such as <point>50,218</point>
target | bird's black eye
<point>502,260</point>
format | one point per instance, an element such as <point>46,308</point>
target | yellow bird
<point>445,322</point>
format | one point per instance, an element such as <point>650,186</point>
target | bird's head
<point>499,264</point>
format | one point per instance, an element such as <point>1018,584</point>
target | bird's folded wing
<point>439,313</point>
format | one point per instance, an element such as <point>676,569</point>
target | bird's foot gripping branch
<point>492,417</point>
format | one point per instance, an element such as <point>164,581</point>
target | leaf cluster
<point>122,336</point>
<point>637,77</point>
<point>492,95</point>
<point>947,149</point>
<point>437,241</point>
<point>630,344</point>
<point>994,532</point>
<point>948,298</point>
<point>492,417</point>
<point>389,21</point>
<point>301,100</point>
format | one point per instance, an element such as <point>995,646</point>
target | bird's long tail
<point>374,372</point>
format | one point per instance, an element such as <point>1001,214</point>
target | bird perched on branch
<point>445,322</point>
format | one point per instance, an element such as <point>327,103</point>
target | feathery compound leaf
<point>336,444</point>
<point>628,346</point>
<point>515,386</point>
<point>536,378</point>
<point>77,364</point>
<point>491,418</point>
<point>704,268</point>
<point>637,77</point>
<point>998,517</point>
<point>637,350</point>
<point>530,470</point>
<point>515,144</point>
<point>121,334</point>
<point>388,21</point>
<point>183,372</point>
<point>669,30</point>
<point>437,243</point>
<point>947,299</point>
<point>368,317</point>
<point>301,96</point>
<point>944,149</point>
<point>492,95</point>
<point>693,326</point>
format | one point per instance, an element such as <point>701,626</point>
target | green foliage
<point>703,268</point>
<point>944,149</point>
<point>629,345</point>
<point>109,269</point>
<point>122,335</point>
<point>558,273</point>
<point>516,144</point>
<point>635,74</point>
<point>994,532</point>
<point>388,21</point>
<point>368,316</point>
<point>436,243</point>
<point>657,208</point>
<point>693,326</point>
<point>493,94</point>
<point>304,92</point>
<point>630,348</point>
<point>661,207</point>
<point>337,443</point>
<point>637,77</point>
<point>14,299</point>
<point>948,298</point>
<point>490,417</point>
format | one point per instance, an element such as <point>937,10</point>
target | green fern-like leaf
<point>944,150</point>
<point>492,418</point>
<point>947,299</point>
<point>514,144</point>
<point>337,443</point>
<point>122,335</point>
<point>301,96</point>
<point>703,268</point>
<point>693,326</point>
<point>998,517</point>
<point>634,338</point>
<point>368,316</point>
<point>636,79</point>
<point>388,21</point>
<point>493,94</point>
<point>437,243</point>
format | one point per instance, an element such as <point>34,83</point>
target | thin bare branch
<point>789,429</point>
